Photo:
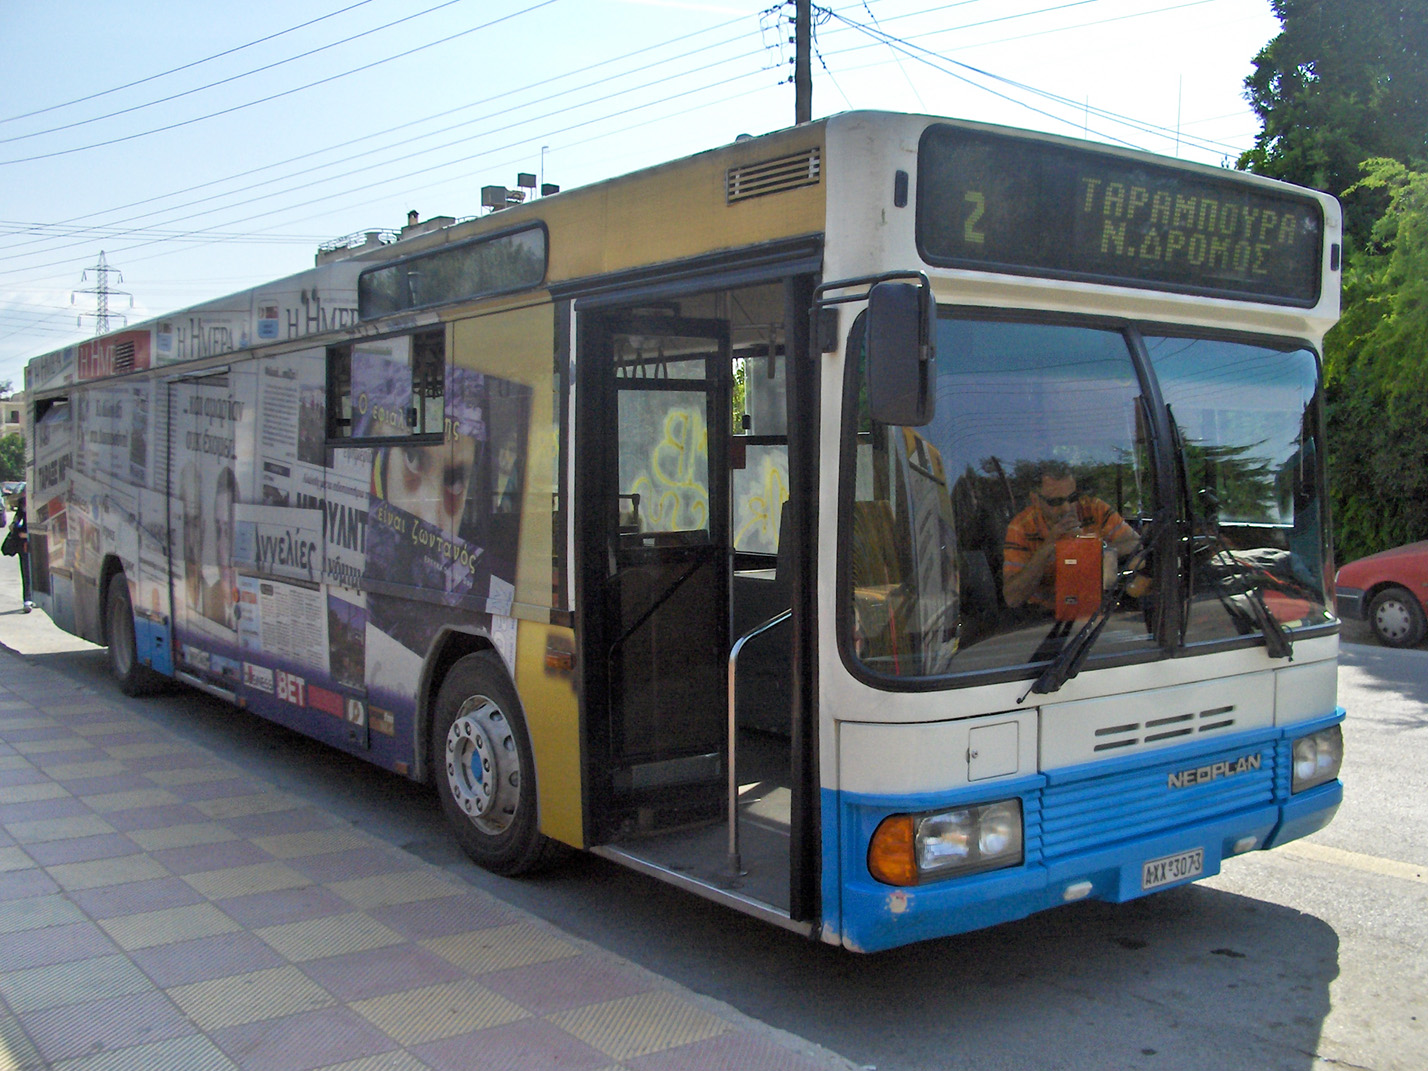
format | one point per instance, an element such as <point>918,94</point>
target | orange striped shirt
<point>1028,531</point>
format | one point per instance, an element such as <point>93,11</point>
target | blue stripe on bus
<point>151,642</point>
<point>1097,823</point>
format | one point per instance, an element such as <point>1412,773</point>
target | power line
<point>186,66</point>
<point>565,145</point>
<point>425,170</point>
<point>88,234</point>
<point>928,57</point>
<point>932,59</point>
<point>225,81</point>
<point>1078,25</point>
<point>367,164</point>
<point>902,70</point>
<point>431,134</point>
<point>1011,17</point>
<point>405,126</point>
<point>285,93</point>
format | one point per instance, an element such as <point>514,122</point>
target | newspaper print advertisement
<point>444,523</point>
<point>107,492</point>
<point>317,577</point>
<point>212,433</point>
<point>47,496</point>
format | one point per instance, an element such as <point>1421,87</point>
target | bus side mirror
<point>901,354</point>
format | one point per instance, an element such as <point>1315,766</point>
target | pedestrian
<point>17,543</point>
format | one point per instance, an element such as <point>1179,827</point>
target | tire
<point>133,677</point>
<point>1396,618</point>
<point>484,769</point>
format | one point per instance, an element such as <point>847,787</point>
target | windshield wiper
<point>1068,662</point>
<point>1238,579</point>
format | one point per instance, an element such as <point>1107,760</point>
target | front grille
<point>1167,727</point>
<point>1102,809</point>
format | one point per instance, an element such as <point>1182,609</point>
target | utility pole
<point>101,291</point>
<point>802,70</point>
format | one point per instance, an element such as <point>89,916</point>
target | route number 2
<point>970,233</point>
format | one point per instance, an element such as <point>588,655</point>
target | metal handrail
<point>735,863</point>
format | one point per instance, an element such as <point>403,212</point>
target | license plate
<point>1172,868</point>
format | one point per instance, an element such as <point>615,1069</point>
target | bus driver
<point>1057,510</point>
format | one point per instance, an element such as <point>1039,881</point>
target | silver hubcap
<point>1392,620</point>
<point>483,766</point>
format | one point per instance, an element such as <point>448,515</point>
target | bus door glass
<point>667,590</point>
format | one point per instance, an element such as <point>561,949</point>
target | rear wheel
<point>1396,618</point>
<point>485,771</point>
<point>134,678</point>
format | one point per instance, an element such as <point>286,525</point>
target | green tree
<point>12,456</point>
<point>1376,373</point>
<point>1345,80</point>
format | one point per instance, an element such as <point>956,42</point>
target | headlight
<point>908,848</point>
<point>1317,758</point>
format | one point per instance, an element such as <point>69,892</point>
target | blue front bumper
<point>1089,830</point>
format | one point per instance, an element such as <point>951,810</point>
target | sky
<point>201,149</point>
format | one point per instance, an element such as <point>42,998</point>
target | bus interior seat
<point>982,519</point>
<point>875,564</point>
<point>877,576</point>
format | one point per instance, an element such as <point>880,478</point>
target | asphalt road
<point>1306,958</point>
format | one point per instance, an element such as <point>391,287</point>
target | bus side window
<point>387,388</point>
<point>339,392</point>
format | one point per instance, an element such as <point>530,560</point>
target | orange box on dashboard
<point>1078,577</point>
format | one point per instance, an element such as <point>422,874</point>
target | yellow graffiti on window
<point>673,497</point>
<point>761,508</point>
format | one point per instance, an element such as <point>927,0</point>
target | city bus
<point>886,527</point>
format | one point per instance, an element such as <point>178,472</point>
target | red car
<point>1390,591</point>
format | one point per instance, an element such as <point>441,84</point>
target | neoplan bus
<point>676,519</point>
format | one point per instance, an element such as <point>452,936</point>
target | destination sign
<point>1030,207</point>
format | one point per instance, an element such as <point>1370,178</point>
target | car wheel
<point>134,678</point>
<point>484,768</point>
<point>1396,618</point>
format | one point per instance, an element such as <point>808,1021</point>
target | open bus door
<point>671,577</point>
<point>656,640</point>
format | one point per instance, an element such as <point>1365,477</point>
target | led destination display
<point>1029,207</point>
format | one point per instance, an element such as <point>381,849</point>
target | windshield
<point>981,540</point>
<point>985,540</point>
<point>1247,417</point>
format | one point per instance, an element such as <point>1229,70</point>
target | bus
<point>886,527</point>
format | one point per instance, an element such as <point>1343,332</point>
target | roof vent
<point>124,356</point>
<point>775,176</point>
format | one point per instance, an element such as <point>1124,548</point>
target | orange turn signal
<point>890,852</point>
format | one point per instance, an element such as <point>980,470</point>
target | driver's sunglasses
<point>1057,501</point>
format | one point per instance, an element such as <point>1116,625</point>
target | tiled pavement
<point>160,909</point>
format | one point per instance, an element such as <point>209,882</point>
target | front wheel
<point>485,770</point>
<point>1396,618</point>
<point>134,677</point>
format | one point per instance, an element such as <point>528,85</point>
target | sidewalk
<point>160,909</point>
